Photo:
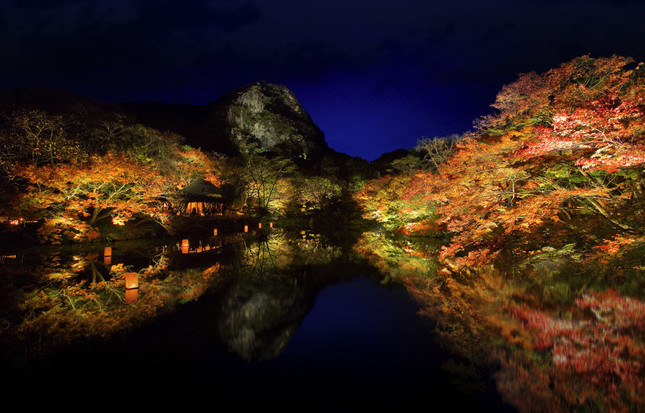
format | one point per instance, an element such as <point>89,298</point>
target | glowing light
<point>260,225</point>
<point>215,232</point>
<point>131,296</point>
<point>270,224</point>
<point>131,281</point>
<point>246,228</point>
<point>184,246</point>
<point>107,255</point>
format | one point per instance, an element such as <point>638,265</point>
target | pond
<point>268,318</point>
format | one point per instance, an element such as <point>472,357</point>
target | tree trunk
<point>596,205</point>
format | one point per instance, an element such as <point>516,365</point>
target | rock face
<point>259,118</point>
<point>267,118</point>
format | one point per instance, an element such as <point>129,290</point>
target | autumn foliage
<point>565,149</point>
<point>538,214</point>
<point>71,193</point>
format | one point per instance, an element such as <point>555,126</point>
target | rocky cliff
<point>259,118</point>
<point>264,117</point>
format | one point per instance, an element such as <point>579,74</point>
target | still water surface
<point>360,347</point>
<point>305,322</point>
<point>294,323</point>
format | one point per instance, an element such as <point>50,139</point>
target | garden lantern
<point>131,281</point>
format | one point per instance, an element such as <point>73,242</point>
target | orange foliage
<point>505,180</point>
<point>73,197</point>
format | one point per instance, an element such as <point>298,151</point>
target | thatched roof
<point>201,189</point>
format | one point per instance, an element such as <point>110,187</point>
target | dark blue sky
<point>375,75</point>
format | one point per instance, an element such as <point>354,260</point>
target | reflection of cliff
<point>277,280</point>
<point>260,317</point>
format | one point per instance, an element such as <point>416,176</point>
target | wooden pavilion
<point>201,197</point>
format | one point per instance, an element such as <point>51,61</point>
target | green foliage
<point>262,176</point>
<point>407,165</point>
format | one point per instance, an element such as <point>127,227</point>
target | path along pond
<point>292,320</point>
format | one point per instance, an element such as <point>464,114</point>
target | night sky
<point>374,75</point>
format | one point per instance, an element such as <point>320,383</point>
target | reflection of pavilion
<point>200,247</point>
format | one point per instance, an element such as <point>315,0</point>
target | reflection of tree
<point>595,360</point>
<point>77,297</point>
<point>72,296</point>
<point>552,343</point>
<point>259,256</point>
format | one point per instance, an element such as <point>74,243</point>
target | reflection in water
<point>56,296</point>
<point>273,289</point>
<point>557,344</point>
<point>265,283</point>
<point>258,318</point>
<point>199,247</point>
<point>552,337</point>
<point>131,295</point>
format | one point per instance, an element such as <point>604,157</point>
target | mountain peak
<point>265,117</point>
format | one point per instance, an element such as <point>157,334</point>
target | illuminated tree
<point>37,137</point>
<point>316,191</point>
<point>564,145</point>
<point>540,212</point>
<point>436,151</point>
<point>262,176</point>
<point>72,198</point>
